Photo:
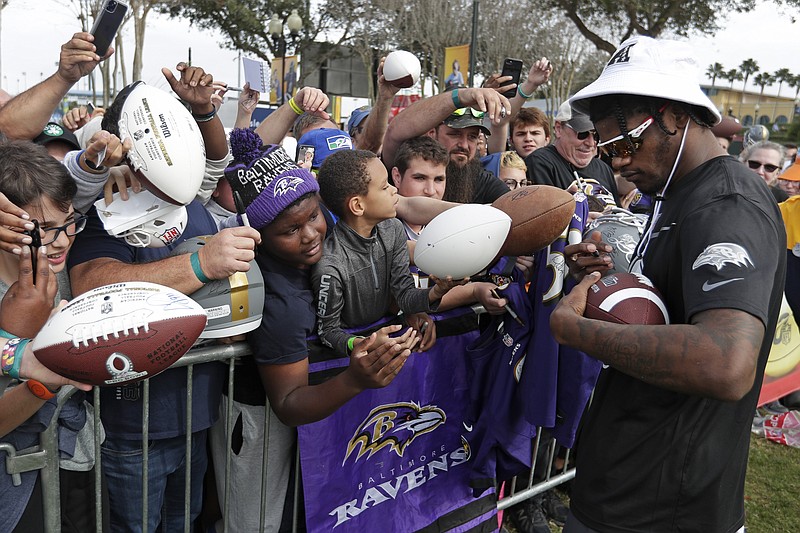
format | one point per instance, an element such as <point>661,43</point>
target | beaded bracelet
<point>206,117</point>
<point>11,357</point>
<point>296,108</point>
<point>198,270</point>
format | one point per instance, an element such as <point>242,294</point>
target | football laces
<point>116,327</point>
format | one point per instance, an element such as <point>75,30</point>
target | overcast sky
<point>33,30</point>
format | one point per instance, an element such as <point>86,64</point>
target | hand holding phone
<point>107,23</point>
<point>36,243</point>
<point>513,68</point>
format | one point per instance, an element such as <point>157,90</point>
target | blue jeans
<point>122,466</point>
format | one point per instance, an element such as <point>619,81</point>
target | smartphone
<point>305,155</point>
<point>513,68</point>
<point>36,243</point>
<point>107,23</point>
<point>90,108</point>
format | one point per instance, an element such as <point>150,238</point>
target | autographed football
<point>539,214</point>
<point>119,333</point>
<point>401,69</point>
<point>626,298</point>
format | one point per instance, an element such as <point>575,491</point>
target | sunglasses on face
<point>583,135</point>
<point>463,111</point>
<point>755,165</point>
<point>70,228</point>
<point>627,145</point>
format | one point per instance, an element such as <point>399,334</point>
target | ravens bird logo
<point>394,425</point>
<point>720,254</point>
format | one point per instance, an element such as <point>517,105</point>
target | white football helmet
<point>143,220</point>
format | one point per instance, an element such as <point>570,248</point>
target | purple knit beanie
<point>254,165</point>
<point>282,192</point>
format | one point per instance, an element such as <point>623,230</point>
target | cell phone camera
<point>111,6</point>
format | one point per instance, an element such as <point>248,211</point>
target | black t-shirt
<point>547,167</point>
<point>488,188</point>
<point>656,460</point>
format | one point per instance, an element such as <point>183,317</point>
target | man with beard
<point>455,119</point>
<point>571,162</point>
<point>664,445</point>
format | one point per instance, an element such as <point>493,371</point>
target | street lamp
<point>275,28</point>
<point>755,119</point>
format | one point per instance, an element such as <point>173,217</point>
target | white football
<point>168,153</point>
<point>462,241</point>
<point>119,333</point>
<point>401,69</point>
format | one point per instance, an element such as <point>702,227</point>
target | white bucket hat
<point>648,67</point>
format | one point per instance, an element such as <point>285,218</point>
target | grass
<point>772,489</point>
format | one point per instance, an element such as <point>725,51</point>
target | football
<point>168,154</point>
<point>626,298</point>
<point>120,333</point>
<point>539,215</point>
<point>461,241</point>
<point>401,69</point>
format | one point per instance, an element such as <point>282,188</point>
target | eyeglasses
<point>463,111</point>
<point>70,228</point>
<point>627,145</point>
<point>513,184</point>
<point>755,165</point>
<point>583,135</point>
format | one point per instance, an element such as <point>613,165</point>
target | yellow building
<point>752,107</point>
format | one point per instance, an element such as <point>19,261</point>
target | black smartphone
<point>513,68</point>
<point>36,243</point>
<point>107,23</point>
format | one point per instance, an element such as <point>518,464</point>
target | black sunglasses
<point>755,165</point>
<point>583,135</point>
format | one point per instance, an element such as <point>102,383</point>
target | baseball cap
<point>578,121</point>
<point>356,118</point>
<point>466,117</point>
<point>55,132</point>
<point>650,67</point>
<point>325,141</point>
<point>792,173</point>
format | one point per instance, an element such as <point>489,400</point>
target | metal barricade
<point>45,456</point>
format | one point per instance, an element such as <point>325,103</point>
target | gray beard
<point>460,186</point>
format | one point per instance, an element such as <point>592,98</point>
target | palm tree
<point>762,79</point>
<point>715,71</point>
<point>732,75</point>
<point>782,75</point>
<point>747,68</point>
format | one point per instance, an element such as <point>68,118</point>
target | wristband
<point>456,100</point>
<point>198,270</point>
<point>294,106</point>
<point>6,335</point>
<point>206,117</point>
<point>11,357</point>
<point>522,94</point>
<point>39,389</point>
<point>351,341</point>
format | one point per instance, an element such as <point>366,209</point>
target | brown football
<point>625,298</point>
<point>539,215</point>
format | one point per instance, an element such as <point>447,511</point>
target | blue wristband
<point>522,94</point>
<point>198,271</point>
<point>19,350</point>
<point>456,100</point>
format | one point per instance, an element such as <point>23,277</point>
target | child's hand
<point>374,365</point>
<point>425,327</point>
<point>443,286</point>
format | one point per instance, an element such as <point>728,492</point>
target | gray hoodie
<point>353,280</point>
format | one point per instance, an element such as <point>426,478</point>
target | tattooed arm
<point>714,356</point>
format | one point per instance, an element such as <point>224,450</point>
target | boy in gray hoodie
<point>365,259</point>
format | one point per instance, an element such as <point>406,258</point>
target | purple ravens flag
<point>396,459</point>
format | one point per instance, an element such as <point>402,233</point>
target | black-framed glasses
<point>755,165</point>
<point>626,145</point>
<point>513,184</point>
<point>583,135</point>
<point>463,111</point>
<point>71,228</point>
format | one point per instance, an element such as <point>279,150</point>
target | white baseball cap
<point>650,67</point>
